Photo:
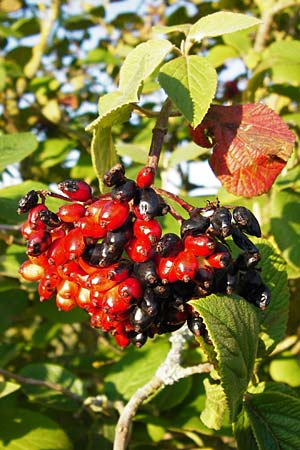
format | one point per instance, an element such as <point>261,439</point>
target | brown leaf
<point>251,145</point>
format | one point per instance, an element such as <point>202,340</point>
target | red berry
<point>139,250</point>
<point>27,230</point>
<point>51,276</point>
<point>166,269</point>
<point>64,303</point>
<point>219,260</point>
<point>130,288</point>
<point>185,265</point>
<point>31,271</point>
<point>119,271</point>
<point>113,214</point>
<point>122,340</point>
<point>67,288</point>
<point>77,190</point>
<point>38,243</point>
<point>98,280</point>
<point>201,245</point>
<point>148,228</point>
<point>74,243</point>
<point>145,177</point>
<point>83,298</point>
<point>34,217</point>
<point>94,209</point>
<point>113,304</point>
<point>56,252</point>
<point>71,212</point>
<point>90,228</point>
<point>44,290</point>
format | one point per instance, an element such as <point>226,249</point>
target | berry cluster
<point>108,255</point>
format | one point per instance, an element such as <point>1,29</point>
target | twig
<point>189,208</point>
<point>263,31</point>
<point>48,384</point>
<point>46,28</point>
<point>6,227</point>
<point>158,135</point>
<point>148,113</point>
<point>168,373</point>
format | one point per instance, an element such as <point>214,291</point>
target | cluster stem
<point>158,134</point>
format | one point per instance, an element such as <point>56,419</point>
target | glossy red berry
<point>201,245</point>
<point>64,303</point>
<point>56,252</point>
<point>31,271</point>
<point>27,230</point>
<point>74,243</point>
<point>151,229</point>
<point>113,214</point>
<point>34,217</point>
<point>166,269</point>
<point>77,190</point>
<point>219,260</point>
<point>185,265</point>
<point>71,212</point>
<point>130,288</point>
<point>139,250</point>
<point>98,280</point>
<point>44,290</point>
<point>145,177</point>
<point>67,288</point>
<point>83,298</point>
<point>90,228</point>
<point>38,243</point>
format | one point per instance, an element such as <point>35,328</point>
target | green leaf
<point>53,152</point>
<point>285,222</point>
<point>54,374</point>
<point>6,388</point>
<point>215,405</point>
<point>114,108</point>
<point>219,23</point>
<point>233,327</point>
<point>15,147</point>
<point>180,28</point>
<point>274,319</point>
<point>275,420</point>
<point>187,152</point>
<point>243,432</point>
<point>190,82</point>
<point>172,395</point>
<point>23,429</point>
<point>220,53</point>
<point>13,305</point>
<point>11,260</point>
<point>140,64</point>
<point>135,369</point>
<point>239,41</point>
<point>136,152</point>
<point>286,368</point>
<point>103,153</point>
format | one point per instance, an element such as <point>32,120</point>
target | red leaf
<point>251,145</point>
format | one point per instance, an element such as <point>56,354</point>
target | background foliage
<point>56,59</point>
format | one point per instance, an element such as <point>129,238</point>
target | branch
<point>148,113</point>
<point>263,31</point>
<point>159,132</point>
<point>46,28</point>
<point>168,373</point>
<point>48,384</point>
